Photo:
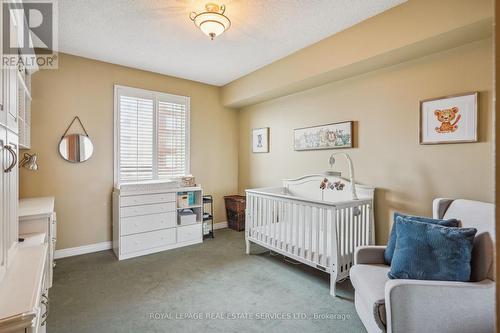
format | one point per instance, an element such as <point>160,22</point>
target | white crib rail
<point>322,235</point>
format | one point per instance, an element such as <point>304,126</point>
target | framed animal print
<point>450,119</point>
<point>260,140</point>
<point>329,136</point>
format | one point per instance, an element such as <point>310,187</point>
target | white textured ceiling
<point>157,35</point>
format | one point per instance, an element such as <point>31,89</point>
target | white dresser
<point>36,215</point>
<point>146,219</point>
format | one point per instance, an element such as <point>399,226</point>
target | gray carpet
<point>210,287</point>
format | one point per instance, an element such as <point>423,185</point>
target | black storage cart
<point>208,216</point>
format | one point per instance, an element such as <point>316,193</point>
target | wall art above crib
<point>329,136</point>
<point>260,140</point>
<point>450,119</point>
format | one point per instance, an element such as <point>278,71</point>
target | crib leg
<point>333,282</point>
<point>252,248</point>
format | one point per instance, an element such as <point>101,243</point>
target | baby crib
<point>318,227</point>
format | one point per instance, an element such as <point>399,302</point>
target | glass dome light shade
<point>212,24</point>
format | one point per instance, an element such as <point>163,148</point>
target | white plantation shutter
<point>172,137</point>
<point>136,139</point>
<point>151,135</point>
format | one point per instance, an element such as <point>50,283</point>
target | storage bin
<point>235,211</point>
<point>187,217</point>
<point>191,198</point>
<point>183,200</point>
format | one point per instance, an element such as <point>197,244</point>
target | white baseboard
<point>75,251</point>
<point>220,225</point>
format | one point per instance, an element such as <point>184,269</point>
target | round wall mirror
<point>76,148</point>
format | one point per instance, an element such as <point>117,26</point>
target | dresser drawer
<point>147,209</point>
<point>135,200</point>
<point>189,233</point>
<point>143,223</point>
<point>147,240</point>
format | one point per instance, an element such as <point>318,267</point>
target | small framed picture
<point>329,136</point>
<point>450,119</point>
<point>260,140</point>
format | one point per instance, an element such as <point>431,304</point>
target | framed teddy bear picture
<point>450,119</point>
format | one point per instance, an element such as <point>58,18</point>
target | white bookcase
<point>146,218</point>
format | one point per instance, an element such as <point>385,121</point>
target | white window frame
<point>131,91</point>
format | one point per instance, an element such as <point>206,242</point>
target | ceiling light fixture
<point>212,22</point>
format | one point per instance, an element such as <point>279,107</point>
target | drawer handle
<point>14,158</point>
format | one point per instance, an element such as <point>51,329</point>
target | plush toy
<point>323,184</point>
<point>326,184</point>
<point>448,119</point>
<point>339,186</point>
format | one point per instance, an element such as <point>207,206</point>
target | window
<point>151,135</point>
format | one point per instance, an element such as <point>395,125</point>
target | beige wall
<point>384,105</point>
<point>84,87</point>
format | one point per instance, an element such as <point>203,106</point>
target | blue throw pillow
<point>391,245</point>
<point>431,252</point>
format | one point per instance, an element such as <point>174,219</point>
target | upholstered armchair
<point>406,306</point>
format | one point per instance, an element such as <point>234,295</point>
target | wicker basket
<point>235,211</point>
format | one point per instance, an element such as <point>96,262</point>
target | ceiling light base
<point>215,8</point>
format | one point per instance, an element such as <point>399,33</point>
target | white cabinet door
<point>11,184</point>
<point>189,233</point>
<point>3,213</point>
<point>3,93</point>
<point>9,113</point>
<point>12,112</point>
<point>12,99</point>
